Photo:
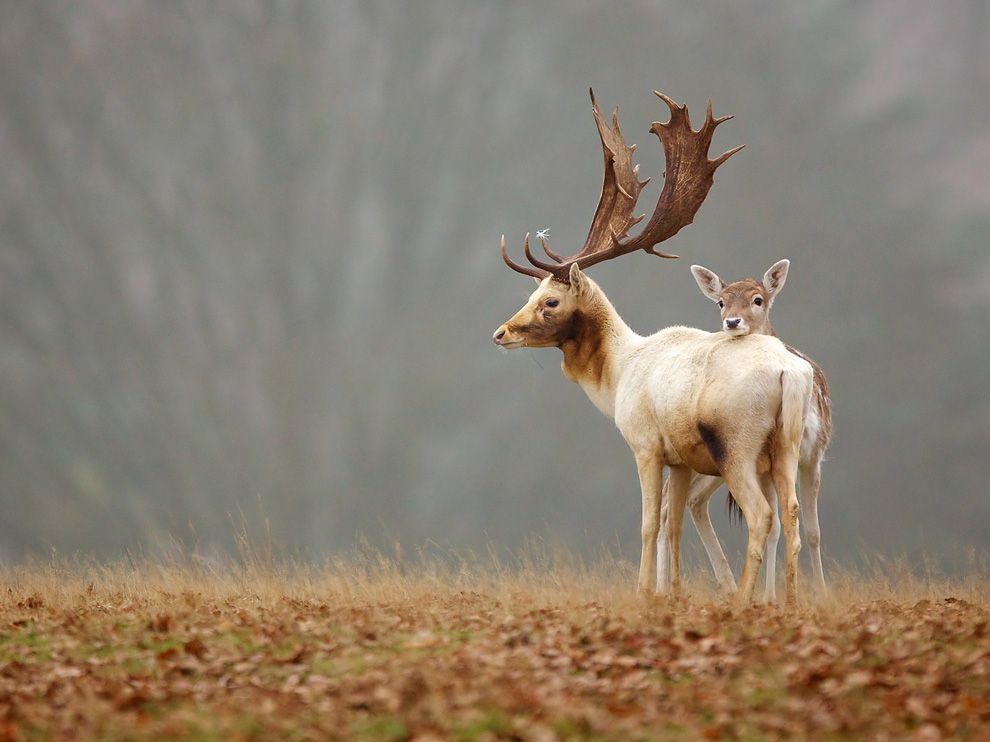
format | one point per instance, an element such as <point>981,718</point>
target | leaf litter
<point>395,654</point>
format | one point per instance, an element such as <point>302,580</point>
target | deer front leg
<point>650,467</point>
<point>663,554</point>
<point>702,488</point>
<point>678,481</point>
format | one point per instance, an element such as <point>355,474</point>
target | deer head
<point>745,304</point>
<point>548,316</point>
<point>551,315</point>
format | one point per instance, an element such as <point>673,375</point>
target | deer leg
<point>678,481</point>
<point>810,481</point>
<point>745,487</point>
<point>784,469</point>
<point>770,553</point>
<point>649,466</point>
<point>663,553</point>
<point>702,488</point>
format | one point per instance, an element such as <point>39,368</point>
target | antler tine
<point>548,251</point>
<point>713,122</point>
<point>725,156</point>
<point>676,109</point>
<point>526,271</point>
<point>536,261</point>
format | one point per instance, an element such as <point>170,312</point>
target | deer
<point>744,306</point>
<point>682,398</point>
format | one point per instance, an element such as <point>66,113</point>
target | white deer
<point>744,306</point>
<point>691,400</point>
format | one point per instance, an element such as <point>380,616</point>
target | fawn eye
<point>721,304</point>
<point>552,303</point>
<point>758,301</point>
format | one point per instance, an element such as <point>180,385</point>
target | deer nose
<point>499,334</point>
<point>732,324</point>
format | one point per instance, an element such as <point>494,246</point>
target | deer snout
<point>508,337</point>
<point>732,323</point>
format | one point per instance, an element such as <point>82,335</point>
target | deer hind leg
<point>745,487</point>
<point>649,466</point>
<point>663,553</point>
<point>811,476</point>
<point>770,553</point>
<point>702,488</point>
<point>678,481</point>
<point>784,471</point>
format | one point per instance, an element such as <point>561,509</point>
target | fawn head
<point>744,305</point>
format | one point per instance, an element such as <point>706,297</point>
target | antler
<point>687,179</point>
<point>620,186</point>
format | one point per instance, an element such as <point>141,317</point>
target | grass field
<point>366,648</point>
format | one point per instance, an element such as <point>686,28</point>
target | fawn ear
<point>709,283</point>
<point>773,279</point>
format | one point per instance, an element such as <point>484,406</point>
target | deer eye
<point>758,301</point>
<point>552,303</point>
<point>721,304</point>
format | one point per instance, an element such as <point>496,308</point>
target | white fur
<point>658,388</point>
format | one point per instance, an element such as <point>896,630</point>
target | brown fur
<point>713,443</point>
<point>580,334</point>
<point>584,356</point>
<point>822,400</point>
<point>740,294</point>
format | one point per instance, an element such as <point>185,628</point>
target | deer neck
<point>594,349</point>
<point>765,329</point>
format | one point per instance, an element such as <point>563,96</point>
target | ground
<point>373,650</point>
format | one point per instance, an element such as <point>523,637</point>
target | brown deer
<point>691,400</point>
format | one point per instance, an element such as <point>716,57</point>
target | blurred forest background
<point>249,262</point>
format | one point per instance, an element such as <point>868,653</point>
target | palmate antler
<point>687,179</point>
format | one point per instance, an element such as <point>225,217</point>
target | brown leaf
<point>167,655</point>
<point>162,623</point>
<point>195,647</point>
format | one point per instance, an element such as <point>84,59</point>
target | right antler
<point>687,179</point>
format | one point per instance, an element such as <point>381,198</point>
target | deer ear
<point>773,279</point>
<point>579,284</point>
<point>538,280</point>
<point>709,283</point>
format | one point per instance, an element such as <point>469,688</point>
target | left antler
<point>687,179</point>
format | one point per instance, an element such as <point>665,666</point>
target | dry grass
<point>546,647</point>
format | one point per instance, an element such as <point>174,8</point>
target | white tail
<point>796,389</point>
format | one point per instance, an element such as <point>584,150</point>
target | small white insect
<point>542,234</point>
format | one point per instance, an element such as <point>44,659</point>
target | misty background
<point>249,263</point>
